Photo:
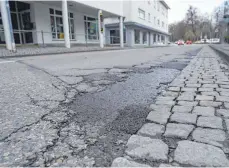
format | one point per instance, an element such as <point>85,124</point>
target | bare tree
<point>177,30</point>
<point>192,19</point>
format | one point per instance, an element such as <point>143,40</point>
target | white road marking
<point>4,62</point>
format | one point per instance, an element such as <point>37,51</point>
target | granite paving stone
<point>210,93</point>
<point>201,89</point>
<point>199,154</point>
<point>158,117</point>
<point>210,122</point>
<point>210,103</point>
<point>123,162</point>
<point>226,105</point>
<point>210,136</point>
<point>165,102</point>
<point>210,86</point>
<point>160,108</point>
<point>170,93</point>
<point>147,149</point>
<point>227,124</point>
<point>178,130</point>
<point>182,109</point>
<point>151,130</point>
<point>224,86</point>
<point>224,94</point>
<point>204,111</point>
<point>186,98</point>
<point>222,98</point>
<point>175,89</point>
<point>222,90</point>
<point>193,85</point>
<point>203,97</point>
<point>223,112</point>
<point>187,89</point>
<point>184,118</point>
<point>165,98</point>
<point>187,103</point>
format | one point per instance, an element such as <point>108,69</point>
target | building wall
<point>156,10</point>
<point>42,22</point>
<point>150,7</point>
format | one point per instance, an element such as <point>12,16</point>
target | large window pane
<point>137,36</point>
<point>58,12</point>
<point>57,27</point>
<point>51,11</point>
<point>91,31</point>
<point>144,38</point>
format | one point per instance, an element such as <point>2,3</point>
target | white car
<point>215,40</point>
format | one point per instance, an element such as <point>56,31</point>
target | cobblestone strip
<point>188,124</point>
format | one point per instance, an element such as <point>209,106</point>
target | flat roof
<point>165,4</point>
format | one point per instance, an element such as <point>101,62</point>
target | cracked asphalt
<point>80,109</point>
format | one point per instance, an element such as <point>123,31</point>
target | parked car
<point>215,40</point>
<point>188,42</point>
<point>180,42</point>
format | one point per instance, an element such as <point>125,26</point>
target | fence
<point>46,38</point>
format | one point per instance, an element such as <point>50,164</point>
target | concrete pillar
<point>151,39</point>
<point>65,23</point>
<point>147,38</point>
<point>141,37</point>
<point>7,25</point>
<point>121,31</point>
<point>101,43</point>
<point>104,35</point>
<point>130,37</point>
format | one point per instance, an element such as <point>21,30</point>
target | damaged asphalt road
<point>79,116</point>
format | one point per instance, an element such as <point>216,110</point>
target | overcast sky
<point>179,7</point>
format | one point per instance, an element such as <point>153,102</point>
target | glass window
<point>12,6</point>
<point>149,17</point>
<point>57,26</point>
<point>141,13</point>
<point>154,20</point>
<point>137,36</point>
<point>158,22</point>
<point>57,12</point>
<point>91,28</point>
<point>144,38</point>
<point>71,15</point>
<point>51,11</point>
<point>162,24</point>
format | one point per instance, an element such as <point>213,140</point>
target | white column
<point>148,38</point>
<point>7,25</point>
<point>100,32</point>
<point>65,23</point>
<point>121,31</point>
<point>130,37</point>
<point>104,35</point>
<point>151,39</point>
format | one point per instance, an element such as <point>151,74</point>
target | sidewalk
<point>189,123</point>
<point>35,50</point>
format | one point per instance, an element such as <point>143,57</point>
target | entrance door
<point>114,37</point>
<point>26,26</point>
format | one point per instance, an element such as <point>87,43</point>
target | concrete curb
<point>221,53</point>
<point>81,51</point>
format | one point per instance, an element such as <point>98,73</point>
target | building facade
<point>145,23</point>
<point>55,22</point>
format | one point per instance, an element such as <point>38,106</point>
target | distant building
<point>145,23</point>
